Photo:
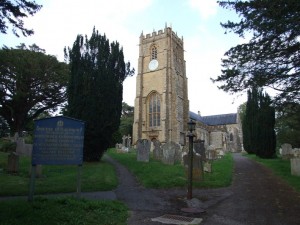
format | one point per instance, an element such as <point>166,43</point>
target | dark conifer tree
<point>250,123</point>
<point>267,138</point>
<point>258,125</point>
<point>95,90</point>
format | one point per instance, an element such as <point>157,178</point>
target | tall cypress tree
<point>95,89</point>
<point>258,125</point>
<point>267,137</point>
<point>250,123</point>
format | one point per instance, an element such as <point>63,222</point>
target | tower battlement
<point>161,34</point>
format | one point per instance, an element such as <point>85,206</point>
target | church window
<point>153,52</point>
<point>154,110</point>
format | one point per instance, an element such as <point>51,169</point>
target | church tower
<point>161,108</point>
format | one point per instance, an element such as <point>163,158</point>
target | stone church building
<point>161,107</point>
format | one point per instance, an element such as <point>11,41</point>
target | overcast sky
<point>58,23</point>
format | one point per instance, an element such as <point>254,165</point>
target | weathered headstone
<point>23,148</point>
<point>143,150</point>
<point>207,167</point>
<point>13,163</point>
<point>296,152</point>
<point>197,166</point>
<point>287,151</point>
<point>212,153</point>
<point>200,149</point>
<point>157,151</point>
<point>178,153</point>
<point>295,166</point>
<point>128,142</point>
<point>124,141</point>
<point>171,153</point>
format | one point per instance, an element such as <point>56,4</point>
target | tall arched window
<point>154,110</point>
<point>153,52</point>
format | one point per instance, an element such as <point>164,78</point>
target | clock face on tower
<point>153,64</point>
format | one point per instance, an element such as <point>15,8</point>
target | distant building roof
<point>214,120</point>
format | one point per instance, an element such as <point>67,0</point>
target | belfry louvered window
<point>154,110</point>
<point>153,52</point>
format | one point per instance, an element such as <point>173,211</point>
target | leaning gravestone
<point>143,150</point>
<point>171,153</point>
<point>157,151</point>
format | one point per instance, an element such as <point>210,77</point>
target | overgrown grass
<point>155,174</point>
<point>67,210</point>
<point>281,168</point>
<point>98,176</point>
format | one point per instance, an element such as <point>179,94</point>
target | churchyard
<point>158,168</point>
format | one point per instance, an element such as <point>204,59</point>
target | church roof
<point>214,120</point>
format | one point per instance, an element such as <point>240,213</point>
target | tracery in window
<point>154,110</point>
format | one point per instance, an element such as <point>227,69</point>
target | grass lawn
<point>98,176</point>
<point>155,174</point>
<point>62,211</point>
<point>281,168</point>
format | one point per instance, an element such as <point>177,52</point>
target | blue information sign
<point>58,141</point>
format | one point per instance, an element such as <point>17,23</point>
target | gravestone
<point>212,153</point>
<point>197,166</point>
<point>295,166</point>
<point>124,141</point>
<point>128,142</point>
<point>207,167</point>
<point>200,149</point>
<point>143,150</point>
<point>157,151</point>
<point>13,163</point>
<point>178,154</point>
<point>296,152</point>
<point>23,148</point>
<point>287,151</point>
<point>171,153</point>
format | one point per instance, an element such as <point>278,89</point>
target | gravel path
<point>255,197</point>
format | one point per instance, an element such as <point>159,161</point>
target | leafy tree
<point>271,57</point>
<point>288,126</point>
<point>31,83</point>
<point>126,123</point>
<point>13,12</point>
<point>4,129</point>
<point>126,119</point>
<point>95,89</point>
